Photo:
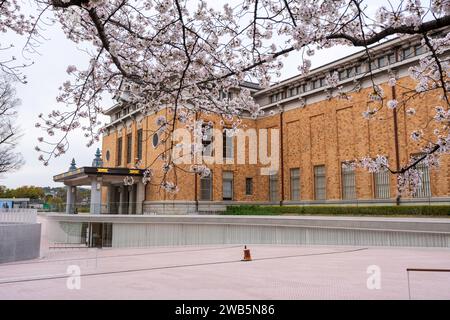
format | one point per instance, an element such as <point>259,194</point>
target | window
<point>227,145</point>
<point>420,50</point>
<point>207,140</point>
<point>322,82</point>
<point>248,186</point>
<point>273,187</point>
<point>319,183</point>
<point>155,140</point>
<point>295,184</point>
<point>129,146</point>
<point>139,144</point>
<point>406,53</point>
<point>391,58</point>
<point>119,151</point>
<point>424,190</point>
<point>358,69</point>
<point>381,185</point>
<point>382,62</point>
<point>318,83</point>
<point>348,182</point>
<point>206,188</point>
<point>343,74</point>
<point>351,72</point>
<point>292,92</point>
<point>227,185</point>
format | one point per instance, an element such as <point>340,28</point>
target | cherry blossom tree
<point>181,55</point>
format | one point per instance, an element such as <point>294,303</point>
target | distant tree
<point>9,132</point>
<point>31,192</point>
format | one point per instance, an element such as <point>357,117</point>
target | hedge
<point>440,210</point>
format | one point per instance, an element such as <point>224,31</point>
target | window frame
<point>348,191</point>
<point>322,176</point>
<point>231,181</point>
<point>210,191</point>
<point>139,148</point>
<point>129,154</point>
<point>119,151</point>
<point>249,186</point>
<point>294,189</point>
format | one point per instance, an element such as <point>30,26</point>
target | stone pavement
<point>216,272</point>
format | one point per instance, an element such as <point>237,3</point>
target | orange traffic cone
<point>247,255</point>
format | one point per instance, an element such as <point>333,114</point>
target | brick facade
<point>322,132</point>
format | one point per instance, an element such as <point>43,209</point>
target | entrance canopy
<point>83,176</point>
<point>120,199</point>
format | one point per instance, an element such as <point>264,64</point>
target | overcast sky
<point>39,95</point>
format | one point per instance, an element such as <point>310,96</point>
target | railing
<point>18,215</point>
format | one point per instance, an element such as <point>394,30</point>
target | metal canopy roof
<point>83,175</point>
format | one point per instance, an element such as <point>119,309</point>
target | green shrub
<point>340,210</point>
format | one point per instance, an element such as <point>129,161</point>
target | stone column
<point>140,197</point>
<point>71,196</point>
<point>96,196</point>
<point>122,200</point>
<point>131,199</point>
<point>110,200</point>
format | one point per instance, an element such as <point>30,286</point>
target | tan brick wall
<point>322,133</point>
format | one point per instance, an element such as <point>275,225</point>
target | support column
<point>109,205</point>
<point>96,196</point>
<point>131,199</point>
<point>140,197</point>
<point>122,199</point>
<point>71,196</point>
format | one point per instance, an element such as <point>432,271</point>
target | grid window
<point>351,72</point>
<point>273,187</point>
<point>129,146</point>
<point>227,145</point>
<point>295,184</point>
<point>348,182</point>
<point>420,50</point>
<point>316,84</point>
<point>119,151</point>
<point>424,190</point>
<point>382,62</point>
<point>206,188</point>
<point>382,184</point>
<point>319,183</point>
<point>207,140</point>
<point>139,144</point>
<point>227,185</point>
<point>406,53</point>
<point>248,186</point>
<point>391,58</point>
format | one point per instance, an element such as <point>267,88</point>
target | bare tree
<point>9,132</point>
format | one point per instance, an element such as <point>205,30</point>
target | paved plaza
<point>216,272</point>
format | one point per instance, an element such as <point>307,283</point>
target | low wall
<point>19,241</point>
<point>183,207</point>
<point>164,230</point>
